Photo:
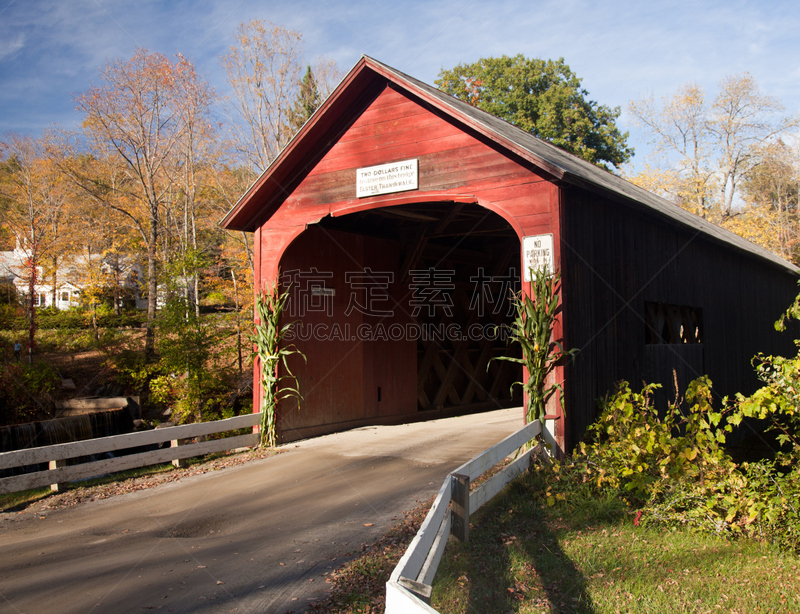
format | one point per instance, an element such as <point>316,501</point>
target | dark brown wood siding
<point>615,259</point>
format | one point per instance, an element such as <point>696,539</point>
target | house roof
<point>319,133</point>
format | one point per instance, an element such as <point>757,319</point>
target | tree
<point>34,192</point>
<point>679,128</point>
<point>545,98</point>
<point>713,147</point>
<point>774,180</point>
<point>264,68</point>
<point>307,101</point>
<point>135,120</point>
<point>196,154</point>
<point>263,72</point>
<point>771,191</point>
<point>743,120</point>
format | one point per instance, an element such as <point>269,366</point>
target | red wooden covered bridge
<point>401,217</point>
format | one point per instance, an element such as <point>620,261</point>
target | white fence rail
<point>56,456</point>
<point>409,587</point>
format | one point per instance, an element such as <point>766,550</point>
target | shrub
<point>756,500</point>
<point>634,449</point>
<point>26,391</point>
<point>673,467</point>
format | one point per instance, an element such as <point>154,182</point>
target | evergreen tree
<point>307,101</point>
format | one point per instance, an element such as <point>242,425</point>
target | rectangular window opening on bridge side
<point>673,324</point>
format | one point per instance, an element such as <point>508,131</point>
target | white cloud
<point>621,49</point>
<point>9,47</point>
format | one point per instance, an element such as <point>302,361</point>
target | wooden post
<point>55,464</point>
<point>178,462</point>
<point>460,509</point>
<point>423,591</point>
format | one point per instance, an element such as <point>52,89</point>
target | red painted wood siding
<point>339,380</point>
<point>451,163</point>
<point>454,164</point>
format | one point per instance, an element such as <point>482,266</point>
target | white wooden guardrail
<point>409,587</point>
<point>56,455</point>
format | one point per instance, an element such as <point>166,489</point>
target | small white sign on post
<point>537,253</point>
<point>387,178</point>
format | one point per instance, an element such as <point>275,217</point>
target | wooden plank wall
<point>452,163</point>
<point>615,258</point>
<point>339,380</point>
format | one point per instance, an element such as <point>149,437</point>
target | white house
<point>14,270</point>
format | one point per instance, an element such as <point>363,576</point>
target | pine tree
<point>307,101</point>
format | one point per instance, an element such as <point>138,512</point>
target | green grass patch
<point>62,340</point>
<point>585,554</point>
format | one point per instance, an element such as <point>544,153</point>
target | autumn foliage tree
<point>263,68</point>
<point>270,100</point>
<point>137,194</point>
<point>708,149</point>
<point>771,193</point>
<point>34,193</point>
<point>136,118</point>
<point>679,131</point>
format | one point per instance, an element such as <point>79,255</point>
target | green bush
<point>126,319</point>
<point>189,374</point>
<point>13,318</point>
<point>51,318</point>
<point>635,449</point>
<point>9,314</point>
<point>673,468</point>
<point>756,500</point>
<point>26,391</point>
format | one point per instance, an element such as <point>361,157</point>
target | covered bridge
<point>402,216</point>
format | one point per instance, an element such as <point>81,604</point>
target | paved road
<point>253,538</point>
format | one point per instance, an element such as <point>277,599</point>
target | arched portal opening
<point>399,311</point>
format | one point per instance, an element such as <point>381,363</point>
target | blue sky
<point>51,50</point>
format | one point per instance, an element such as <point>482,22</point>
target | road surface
<point>255,538</point>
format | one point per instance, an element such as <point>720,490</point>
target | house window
<point>676,324</point>
<point>65,296</point>
<point>35,299</point>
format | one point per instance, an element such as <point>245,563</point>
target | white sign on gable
<point>537,253</point>
<point>387,178</point>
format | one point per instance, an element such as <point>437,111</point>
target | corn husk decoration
<point>532,329</point>
<point>267,338</point>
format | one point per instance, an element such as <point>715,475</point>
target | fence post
<point>460,509</point>
<point>423,591</point>
<point>55,464</point>
<point>178,462</point>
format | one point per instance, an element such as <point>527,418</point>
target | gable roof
<point>369,76</point>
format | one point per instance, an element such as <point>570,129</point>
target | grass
<point>588,556</point>
<point>584,554</point>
